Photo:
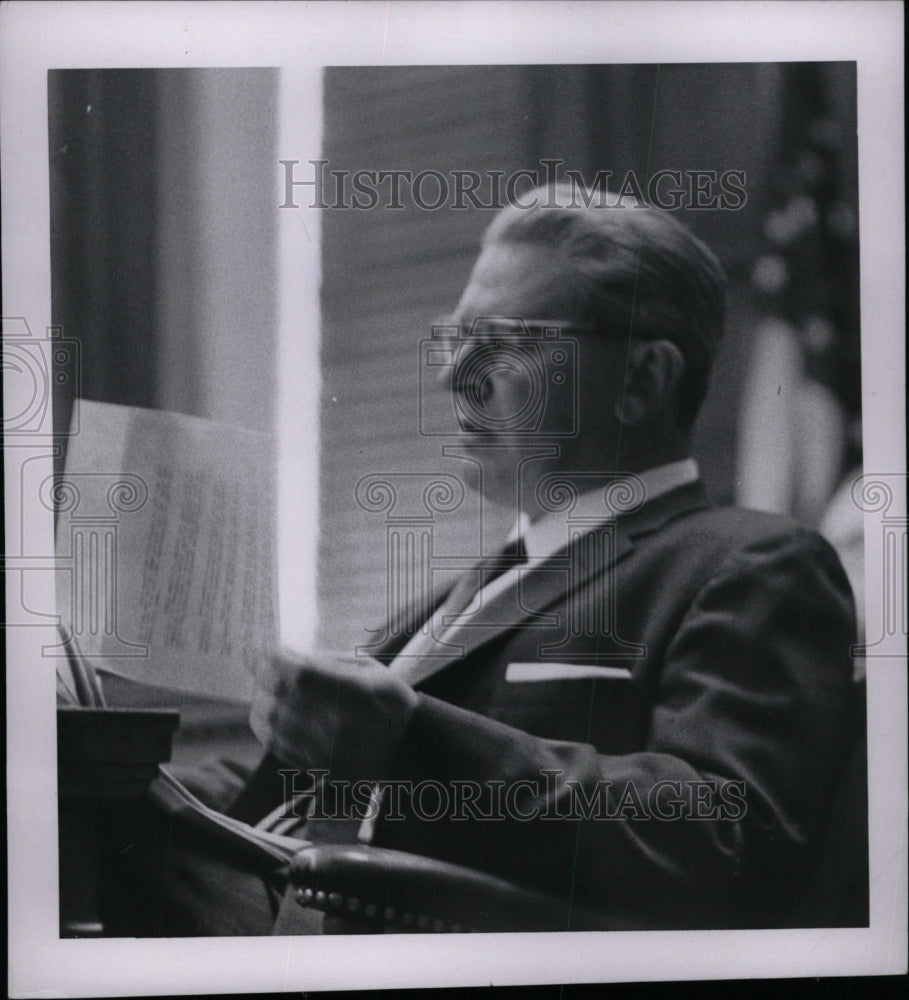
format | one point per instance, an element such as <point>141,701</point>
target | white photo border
<point>37,37</point>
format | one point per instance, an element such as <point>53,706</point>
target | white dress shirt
<point>543,538</point>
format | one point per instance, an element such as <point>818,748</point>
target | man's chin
<point>473,477</point>
<point>484,470</point>
<point>494,488</point>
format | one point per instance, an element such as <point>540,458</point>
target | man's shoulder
<point>734,520</point>
<point>714,529</point>
<point>748,559</point>
<point>689,511</point>
<point>718,535</point>
<point>728,521</point>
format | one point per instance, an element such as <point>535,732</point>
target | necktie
<point>426,641</point>
<point>481,574</point>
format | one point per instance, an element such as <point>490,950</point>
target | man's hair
<point>637,273</point>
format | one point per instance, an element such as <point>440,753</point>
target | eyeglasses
<point>494,328</point>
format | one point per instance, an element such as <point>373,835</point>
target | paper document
<point>175,798</point>
<point>165,548</point>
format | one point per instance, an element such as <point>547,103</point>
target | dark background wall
<point>163,237</point>
<point>103,143</point>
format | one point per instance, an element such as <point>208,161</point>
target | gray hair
<point>637,271</point>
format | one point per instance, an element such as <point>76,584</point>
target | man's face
<point>503,380</point>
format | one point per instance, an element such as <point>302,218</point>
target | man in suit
<point>647,701</point>
<point>644,703</point>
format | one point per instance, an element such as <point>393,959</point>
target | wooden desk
<point>106,759</point>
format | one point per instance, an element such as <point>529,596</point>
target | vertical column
<point>410,502</point>
<point>873,493</point>
<point>92,561</point>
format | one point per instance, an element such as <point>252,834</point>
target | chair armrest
<point>397,892</point>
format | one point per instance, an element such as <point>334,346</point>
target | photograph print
<point>582,637</point>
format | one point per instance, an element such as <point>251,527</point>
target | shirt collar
<point>546,535</point>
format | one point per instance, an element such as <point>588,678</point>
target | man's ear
<point>655,368</point>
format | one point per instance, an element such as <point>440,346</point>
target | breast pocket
<point>573,702</point>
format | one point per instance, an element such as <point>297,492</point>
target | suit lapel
<point>591,551</point>
<point>387,648</point>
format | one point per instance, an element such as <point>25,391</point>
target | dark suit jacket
<point>734,630</point>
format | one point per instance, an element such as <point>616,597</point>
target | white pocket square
<point>525,673</point>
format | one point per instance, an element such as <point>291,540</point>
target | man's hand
<point>344,714</point>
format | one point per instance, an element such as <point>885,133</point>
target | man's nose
<point>453,376</point>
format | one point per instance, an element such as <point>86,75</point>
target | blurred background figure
<point>800,446</point>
